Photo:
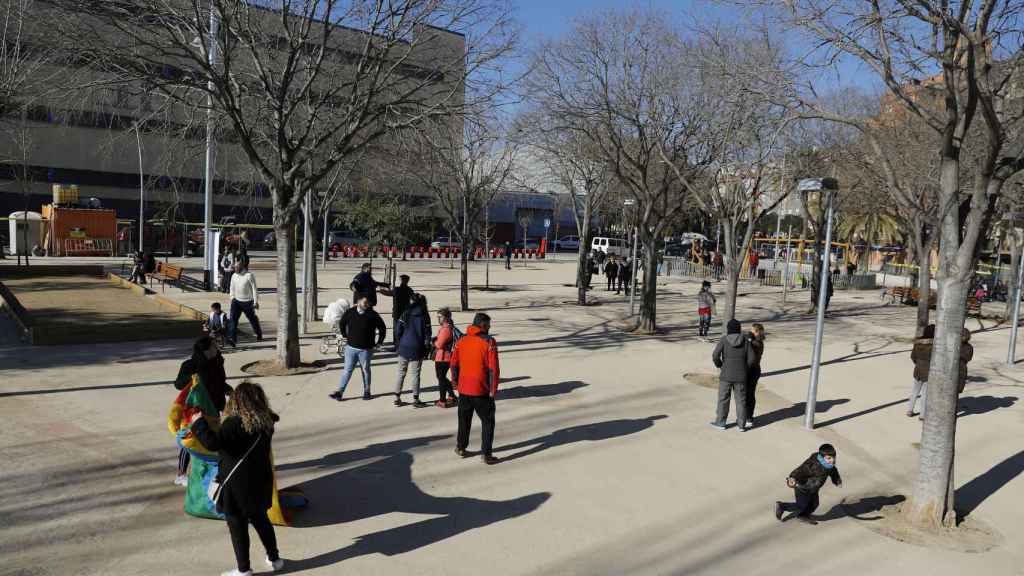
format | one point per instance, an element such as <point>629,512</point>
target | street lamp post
<point>829,186</point>
<point>209,256</point>
<point>142,187</point>
<point>1011,353</point>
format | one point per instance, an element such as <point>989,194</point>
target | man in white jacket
<point>245,299</point>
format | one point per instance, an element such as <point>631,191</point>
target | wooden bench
<point>166,273</point>
<point>895,294</point>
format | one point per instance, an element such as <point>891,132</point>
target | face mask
<point>823,462</point>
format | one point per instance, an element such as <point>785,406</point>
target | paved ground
<point>609,464</point>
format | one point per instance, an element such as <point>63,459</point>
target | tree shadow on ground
<point>540,391</point>
<point>846,417</point>
<point>972,494</point>
<point>585,433</point>
<point>972,405</point>
<point>384,487</point>
<point>382,449</point>
<point>795,411</point>
<point>853,356</point>
<point>859,509</point>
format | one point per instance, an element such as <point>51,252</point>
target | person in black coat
<point>829,289</point>
<point>611,271</point>
<point>364,283</point>
<point>401,300</point>
<point>246,472</point>
<point>806,480</point>
<point>207,365</point>
<point>625,275</point>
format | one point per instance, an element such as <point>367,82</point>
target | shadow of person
<point>372,451</point>
<point>540,391</point>
<point>972,494</point>
<point>971,405</point>
<point>386,486</point>
<point>587,433</point>
<point>795,411</point>
<point>860,509</point>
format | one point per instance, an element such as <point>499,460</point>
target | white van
<point>610,246</point>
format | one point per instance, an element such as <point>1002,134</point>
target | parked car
<point>444,242</point>
<point>567,243</point>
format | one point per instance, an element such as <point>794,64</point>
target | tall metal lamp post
<point>209,253</point>
<point>828,186</point>
<point>1014,219</point>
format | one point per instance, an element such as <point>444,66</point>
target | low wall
<point>9,271</point>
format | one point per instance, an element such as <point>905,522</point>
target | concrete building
<point>104,139</point>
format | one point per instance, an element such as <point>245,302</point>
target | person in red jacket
<point>475,372</point>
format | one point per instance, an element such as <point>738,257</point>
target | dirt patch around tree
<point>273,368</point>
<point>702,379</point>
<point>884,515</point>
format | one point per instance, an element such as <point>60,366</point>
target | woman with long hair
<point>243,441</point>
<point>443,345</point>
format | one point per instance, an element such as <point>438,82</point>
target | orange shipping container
<point>89,231</point>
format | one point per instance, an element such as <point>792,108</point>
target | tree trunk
<point>581,256</point>
<point>649,304</point>
<point>1011,286</point>
<point>933,493</point>
<point>932,503</point>
<point>924,284</point>
<point>464,274</point>
<point>287,303</point>
<point>733,266</point>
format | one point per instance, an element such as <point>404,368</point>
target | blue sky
<point>552,18</point>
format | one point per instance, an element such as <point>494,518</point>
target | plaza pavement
<point>609,465</point>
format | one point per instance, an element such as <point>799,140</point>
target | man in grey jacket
<point>735,357</point>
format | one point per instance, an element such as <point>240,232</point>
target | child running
<point>806,481</point>
<point>705,305</point>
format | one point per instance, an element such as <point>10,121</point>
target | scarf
<point>826,465</point>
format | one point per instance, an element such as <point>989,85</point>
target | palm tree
<point>872,226</point>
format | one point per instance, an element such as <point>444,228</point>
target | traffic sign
<point>628,202</point>
<point>547,223</point>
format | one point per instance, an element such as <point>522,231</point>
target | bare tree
<point>938,61</point>
<point>464,169</point>
<point>740,135</point>
<point>301,85</point>
<point>570,161</point>
<point>619,81</point>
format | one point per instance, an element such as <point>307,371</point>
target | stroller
<point>332,317</point>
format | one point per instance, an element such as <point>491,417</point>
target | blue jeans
<point>352,356</point>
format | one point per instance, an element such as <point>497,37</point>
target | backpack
<point>456,336</point>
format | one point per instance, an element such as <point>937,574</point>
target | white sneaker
<point>235,572</point>
<point>275,565</point>
<point>181,481</point>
